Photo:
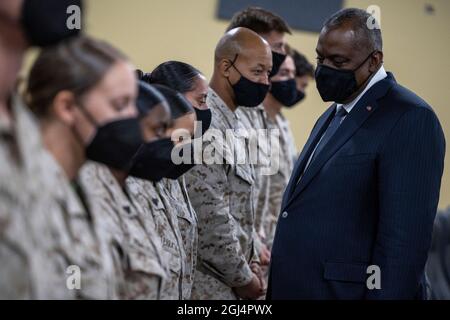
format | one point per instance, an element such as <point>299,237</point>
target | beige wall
<point>416,47</point>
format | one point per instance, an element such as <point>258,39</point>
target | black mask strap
<point>87,114</point>
<point>233,62</point>
<point>89,117</point>
<point>365,60</point>
<point>232,65</point>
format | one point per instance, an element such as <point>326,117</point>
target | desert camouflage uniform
<point>19,144</point>
<point>43,229</point>
<point>222,195</point>
<point>76,237</point>
<point>254,119</point>
<point>162,219</point>
<point>136,256</point>
<point>279,181</point>
<point>187,224</point>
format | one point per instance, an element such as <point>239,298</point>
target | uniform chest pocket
<point>244,172</point>
<point>354,159</point>
<point>156,203</point>
<point>78,223</point>
<point>139,261</point>
<point>183,212</point>
<point>166,233</point>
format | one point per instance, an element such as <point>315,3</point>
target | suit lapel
<point>313,139</point>
<point>360,113</point>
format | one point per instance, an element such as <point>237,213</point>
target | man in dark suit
<point>357,215</point>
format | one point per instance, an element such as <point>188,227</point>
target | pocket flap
<point>348,272</point>
<point>245,173</point>
<point>141,263</point>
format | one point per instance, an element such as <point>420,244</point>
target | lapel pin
<point>369,108</point>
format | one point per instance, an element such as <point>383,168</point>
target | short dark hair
<point>148,98</point>
<point>259,20</point>
<point>358,19</point>
<point>177,75</point>
<point>178,104</point>
<point>302,66</point>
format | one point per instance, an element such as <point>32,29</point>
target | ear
<point>224,67</point>
<point>64,107</point>
<point>375,61</point>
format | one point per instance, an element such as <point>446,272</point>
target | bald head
<point>240,41</point>
<point>240,53</point>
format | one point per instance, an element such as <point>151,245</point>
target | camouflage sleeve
<point>276,195</point>
<point>219,249</point>
<point>15,275</point>
<point>257,246</point>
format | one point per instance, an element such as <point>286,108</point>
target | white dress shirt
<point>379,75</point>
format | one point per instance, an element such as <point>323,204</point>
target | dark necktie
<point>341,113</point>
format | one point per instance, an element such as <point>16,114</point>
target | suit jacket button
<point>284,214</point>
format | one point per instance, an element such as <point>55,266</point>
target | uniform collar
<point>215,102</point>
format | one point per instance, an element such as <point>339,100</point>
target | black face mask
<point>300,96</point>
<point>179,169</point>
<point>45,22</point>
<point>248,93</point>
<point>277,61</point>
<point>115,143</point>
<point>286,92</point>
<point>153,161</point>
<point>168,169</point>
<point>337,85</point>
<point>204,116</point>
